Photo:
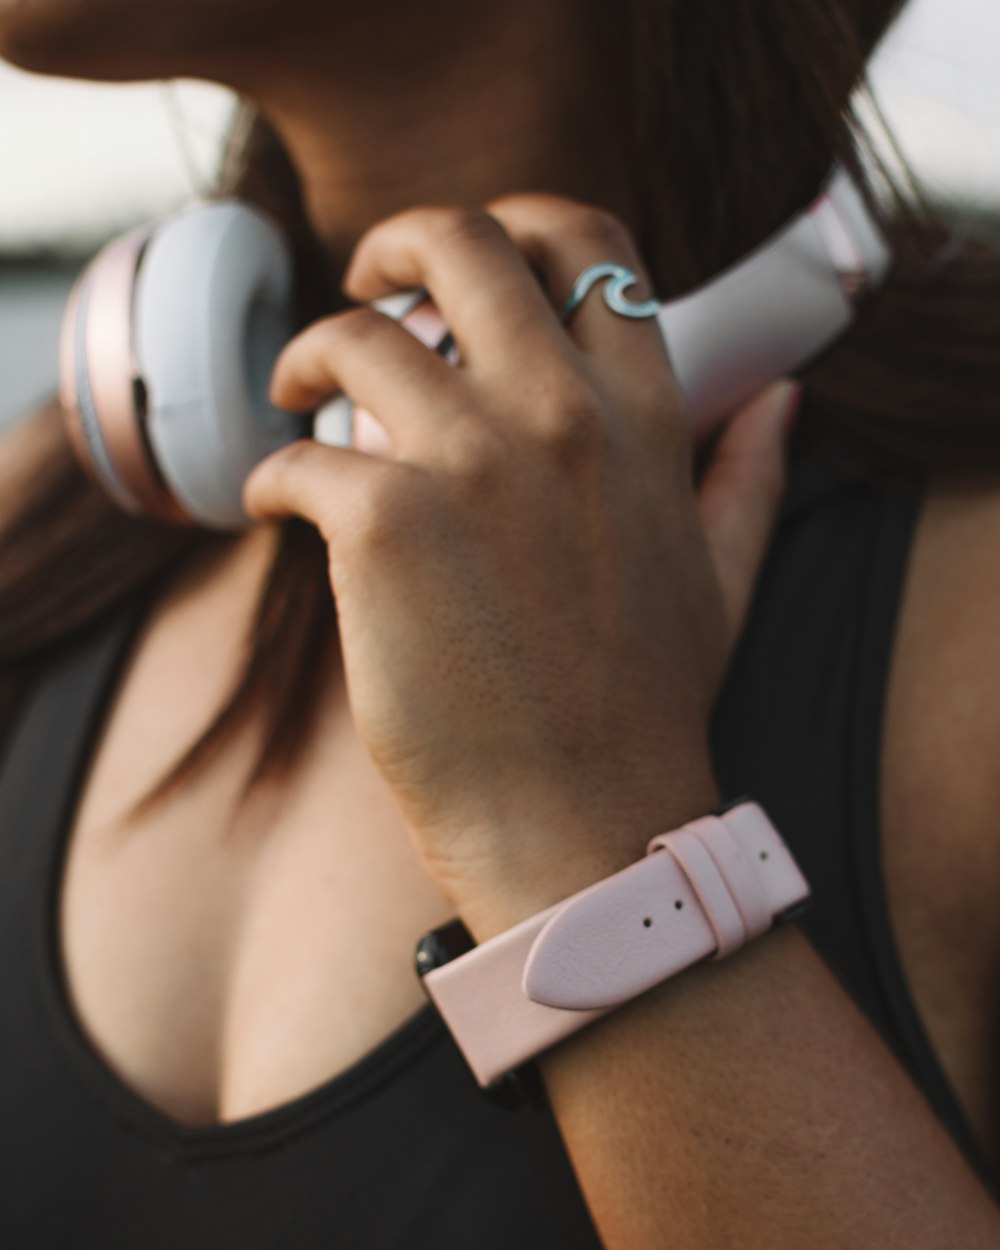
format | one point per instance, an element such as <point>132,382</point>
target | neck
<point>451,107</point>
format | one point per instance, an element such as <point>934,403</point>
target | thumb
<point>739,493</point>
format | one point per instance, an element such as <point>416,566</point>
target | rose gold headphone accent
<point>67,385</point>
<point>112,370</point>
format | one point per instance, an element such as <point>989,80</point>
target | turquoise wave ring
<point>617,280</point>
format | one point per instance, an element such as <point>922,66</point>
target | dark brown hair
<point>737,111</point>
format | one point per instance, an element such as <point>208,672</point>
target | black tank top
<point>401,1150</point>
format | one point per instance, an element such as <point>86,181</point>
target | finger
<point>562,238</point>
<point>410,390</point>
<point>740,492</point>
<point>322,484</point>
<point>479,281</point>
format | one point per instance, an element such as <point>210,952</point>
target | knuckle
<point>512,200</point>
<point>600,225</point>
<point>285,478</point>
<point>286,464</point>
<point>572,429</point>
<point>474,459</point>
<point>354,327</point>
<point>461,226</point>
<point>543,208</point>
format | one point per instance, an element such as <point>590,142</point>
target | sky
<point>81,160</point>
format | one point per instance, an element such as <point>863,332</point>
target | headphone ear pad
<point>213,308</point>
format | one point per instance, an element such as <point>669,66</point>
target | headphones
<point>171,333</point>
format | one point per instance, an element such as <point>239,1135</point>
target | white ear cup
<point>212,310</point>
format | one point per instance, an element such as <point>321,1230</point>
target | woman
<point>219,1037</point>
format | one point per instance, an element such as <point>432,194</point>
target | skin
<point>751,1153</point>
<point>589,440</point>
<point>463,102</point>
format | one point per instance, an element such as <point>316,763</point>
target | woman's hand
<point>536,608</point>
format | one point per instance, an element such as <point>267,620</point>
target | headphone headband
<point>171,334</point>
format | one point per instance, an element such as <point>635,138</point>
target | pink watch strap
<point>721,881</point>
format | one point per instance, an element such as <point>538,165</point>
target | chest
<point>276,957</point>
<point>220,969</point>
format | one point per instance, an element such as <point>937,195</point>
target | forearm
<point>747,1103</point>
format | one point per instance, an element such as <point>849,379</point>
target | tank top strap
<point>799,727</point>
<point>50,746</point>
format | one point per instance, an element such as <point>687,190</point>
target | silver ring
<point>618,280</point>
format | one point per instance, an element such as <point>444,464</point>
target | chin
<point>55,37</point>
<point>119,40</point>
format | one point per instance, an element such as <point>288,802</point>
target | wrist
<point>543,852</point>
<point>700,891</point>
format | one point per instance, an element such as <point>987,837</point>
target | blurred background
<point>84,161</point>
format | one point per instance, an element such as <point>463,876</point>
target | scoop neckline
<point>291,1118</point>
